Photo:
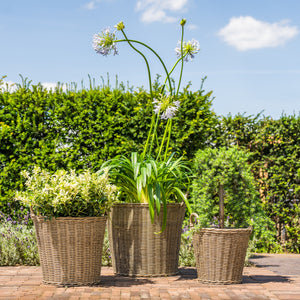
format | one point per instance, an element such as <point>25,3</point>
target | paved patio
<point>23,282</point>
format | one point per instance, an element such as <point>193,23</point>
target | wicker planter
<point>70,249</point>
<point>220,254</point>
<point>136,247</point>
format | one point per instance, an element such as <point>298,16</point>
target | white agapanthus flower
<point>170,111</point>
<point>165,106</point>
<point>104,42</point>
<point>189,48</point>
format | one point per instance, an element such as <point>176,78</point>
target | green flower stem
<point>178,60</point>
<point>149,135</point>
<point>155,53</point>
<point>146,61</point>
<point>168,128</point>
<point>154,132</point>
<point>181,51</point>
<point>168,140</point>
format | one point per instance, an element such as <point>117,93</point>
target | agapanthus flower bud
<point>104,42</point>
<point>189,49</point>
<point>120,26</point>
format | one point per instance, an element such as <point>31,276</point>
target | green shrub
<point>275,160</point>
<point>243,206</point>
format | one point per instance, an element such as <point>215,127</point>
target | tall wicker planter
<point>220,254</point>
<point>136,246</point>
<point>70,249</point>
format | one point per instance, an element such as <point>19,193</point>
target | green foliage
<point>275,159</point>
<point>106,254</point>
<point>229,168</point>
<point>82,129</point>
<point>67,194</point>
<point>147,180</point>
<point>186,253</point>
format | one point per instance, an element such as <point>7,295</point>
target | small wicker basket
<point>70,249</point>
<point>137,249</point>
<point>220,254</point>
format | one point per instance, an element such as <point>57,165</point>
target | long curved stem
<point>146,61</point>
<point>178,60</point>
<point>155,53</point>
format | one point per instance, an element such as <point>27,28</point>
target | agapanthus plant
<point>154,176</point>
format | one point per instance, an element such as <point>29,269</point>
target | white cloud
<point>158,10</point>
<point>9,86</point>
<point>90,6</point>
<point>246,33</point>
<point>52,86</point>
<point>49,85</point>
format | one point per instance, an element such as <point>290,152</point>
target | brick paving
<point>23,282</point>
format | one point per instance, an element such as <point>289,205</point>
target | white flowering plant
<point>154,176</point>
<point>67,194</point>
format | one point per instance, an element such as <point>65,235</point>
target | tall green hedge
<point>275,157</point>
<point>82,129</point>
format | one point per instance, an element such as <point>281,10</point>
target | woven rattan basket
<point>220,254</point>
<point>70,249</point>
<point>136,246</point>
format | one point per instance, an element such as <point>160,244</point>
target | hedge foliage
<point>275,157</point>
<point>78,129</point>
<point>82,129</point>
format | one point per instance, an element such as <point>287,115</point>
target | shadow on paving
<point>191,273</point>
<point>260,279</point>
<point>123,281</point>
<point>281,264</point>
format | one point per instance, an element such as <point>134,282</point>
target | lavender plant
<point>153,176</point>
<point>17,240</point>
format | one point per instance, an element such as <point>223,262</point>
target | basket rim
<point>46,218</point>
<point>145,204</point>
<point>224,230</point>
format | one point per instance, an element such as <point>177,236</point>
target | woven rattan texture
<point>137,247</point>
<point>70,249</point>
<point>220,254</point>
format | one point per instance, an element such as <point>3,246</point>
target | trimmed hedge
<point>82,129</point>
<point>275,157</point>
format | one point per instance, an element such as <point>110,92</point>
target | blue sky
<point>249,49</point>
